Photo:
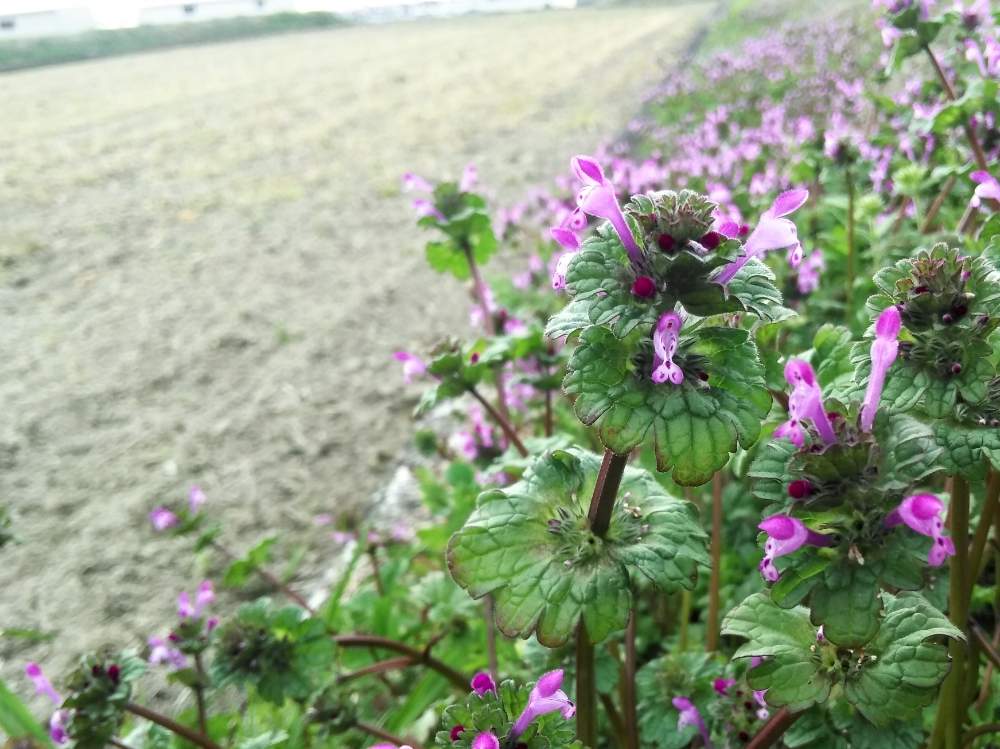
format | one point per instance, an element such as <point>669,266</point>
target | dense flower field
<point>717,467</point>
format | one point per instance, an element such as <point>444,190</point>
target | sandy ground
<point>205,264</point>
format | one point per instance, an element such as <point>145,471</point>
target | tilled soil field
<point>205,264</point>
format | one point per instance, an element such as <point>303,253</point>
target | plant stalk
<point>935,207</point>
<point>188,734</point>
<point>199,694</point>
<point>390,664</point>
<point>271,579</point>
<point>505,426</point>
<point>586,689</point>
<point>954,686</point>
<point>491,638</point>
<point>850,240</point>
<point>774,729</point>
<point>629,701</point>
<point>978,550</point>
<point>602,503</point>
<point>423,657</point>
<point>380,734</point>
<point>712,626</point>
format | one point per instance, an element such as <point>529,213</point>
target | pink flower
<point>883,354</point>
<point>162,652</point>
<point>773,232</point>
<point>162,519</point>
<point>988,188</point>
<point>809,272</point>
<point>721,686</point>
<point>486,741</point>
<point>469,178</point>
<point>59,726</point>
<point>546,697</point>
<point>425,207</point>
<point>922,513</point>
<point>597,197</point>
<point>204,596</point>
<point>482,683</point>
<point>568,239</point>
<point>805,402</point>
<point>665,339</point>
<point>415,183</point>
<point>785,535</point>
<point>413,366</point>
<point>762,713</point>
<point>42,685</point>
<point>689,716</point>
<point>196,499</point>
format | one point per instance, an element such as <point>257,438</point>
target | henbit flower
<point>546,697</point>
<point>773,232</point>
<point>486,741</point>
<point>469,177</point>
<point>425,207</point>
<point>805,402</point>
<point>597,197</point>
<point>42,685</point>
<point>58,725</point>
<point>785,535</point>
<point>988,188</point>
<point>568,239</point>
<point>391,746</point>
<point>922,513</point>
<point>665,339</point>
<point>203,597</point>
<point>415,183</point>
<point>196,499</point>
<point>413,366</point>
<point>691,717</point>
<point>762,713</point>
<point>721,686</point>
<point>884,349</point>
<point>162,652</point>
<point>162,519</point>
<point>482,683</point>
<point>807,279</point>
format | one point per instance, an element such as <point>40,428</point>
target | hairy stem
<point>586,689</point>
<point>380,734</point>
<point>423,657</point>
<point>188,734</point>
<point>774,729</point>
<point>602,502</point>
<point>505,426</point>
<point>629,701</point>
<point>712,626</point>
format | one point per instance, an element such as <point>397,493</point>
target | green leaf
<point>904,665</point>
<point>529,546</point>
<point>908,452</point>
<point>847,604</point>
<point>792,673</point>
<point>240,571</point>
<point>797,582</point>
<point>16,721</point>
<point>695,426</point>
<point>753,287</point>
<point>769,470</point>
<point>966,448</point>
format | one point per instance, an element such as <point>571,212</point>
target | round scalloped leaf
<point>792,672</point>
<point>966,449</point>
<point>529,547</point>
<point>904,665</point>
<point>847,604</point>
<point>695,425</point>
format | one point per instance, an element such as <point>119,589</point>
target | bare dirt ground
<point>205,264</point>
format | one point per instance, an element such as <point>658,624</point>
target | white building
<point>21,19</point>
<point>189,11</point>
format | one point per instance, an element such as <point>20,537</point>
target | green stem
<point>188,734</point>
<point>712,625</point>
<point>199,694</point>
<point>629,702</point>
<point>977,552</point>
<point>954,686</point>
<point>850,240</point>
<point>586,689</point>
<point>491,638</point>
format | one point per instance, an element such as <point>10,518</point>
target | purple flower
<point>415,183</point>
<point>665,339</point>
<point>483,683</point>
<point>196,499</point>
<point>568,239</point>
<point>988,188</point>
<point>425,207</point>
<point>203,597</point>
<point>486,741</point>
<point>162,519</point>
<point>773,232</point>
<point>805,402</point>
<point>691,717</point>
<point>809,271</point>
<point>162,652</point>
<point>883,353</point>
<point>785,535</point>
<point>721,686</point>
<point>58,726</point>
<point>762,713</point>
<point>42,685</point>
<point>546,697</point>
<point>469,177</point>
<point>922,513</point>
<point>597,197</point>
<point>413,366</point>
